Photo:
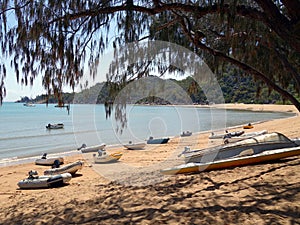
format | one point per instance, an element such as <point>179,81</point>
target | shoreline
<point>288,109</point>
<point>257,194</point>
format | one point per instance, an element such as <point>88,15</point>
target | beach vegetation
<point>59,40</point>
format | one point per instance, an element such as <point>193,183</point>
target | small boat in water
<point>186,133</point>
<point>135,146</point>
<point>48,161</point>
<point>103,157</point>
<point>28,104</point>
<point>33,181</point>
<point>151,140</point>
<point>55,126</point>
<point>71,168</point>
<point>95,148</point>
<point>244,160</point>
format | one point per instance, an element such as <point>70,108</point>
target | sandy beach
<point>133,191</point>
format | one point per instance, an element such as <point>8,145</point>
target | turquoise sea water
<point>23,132</point>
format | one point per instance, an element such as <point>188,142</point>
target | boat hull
<point>55,126</point>
<point>158,141</point>
<point>256,145</point>
<point>45,181</point>
<point>93,148</point>
<point>137,146</point>
<point>233,162</point>
<point>49,161</point>
<point>71,168</point>
<point>114,157</point>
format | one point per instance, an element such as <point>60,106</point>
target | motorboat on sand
<point>86,149</point>
<point>135,146</point>
<point>48,161</point>
<point>33,181</point>
<point>255,144</point>
<point>71,168</point>
<point>103,157</point>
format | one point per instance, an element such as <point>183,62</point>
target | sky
<point>14,90</point>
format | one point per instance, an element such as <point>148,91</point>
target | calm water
<point>23,132</point>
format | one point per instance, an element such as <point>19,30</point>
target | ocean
<point>23,132</point>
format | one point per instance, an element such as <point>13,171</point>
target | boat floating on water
<point>71,168</point>
<point>33,181</point>
<point>28,104</point>
<point>55,126</point>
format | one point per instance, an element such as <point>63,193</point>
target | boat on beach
<point>85,149</point>
<point>237,161</point>
<point>33,181</point>
<point>186,133</point>
<point>103,157</point>
<point>256,145</point>
<point>135,146</point>
<point>55,126</point>
<point>44,161</point>
<point>228,139</point>
<point>249,126</point>
<point>151,140</point>
<point>71,168</point>
<point>226,134</point>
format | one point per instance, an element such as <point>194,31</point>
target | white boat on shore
<point>237,161</point>
<point>95,148</point>
<point>71,168</point>
<point>226,134</point>
<point>33,181</point>
<point>48,161</point>
<point>243,136</point>
<point>186,133</point>
<point>103,157</point>
<point>135,146</point>
<point>255,145</point>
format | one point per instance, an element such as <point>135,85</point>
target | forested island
<point>236,89</point>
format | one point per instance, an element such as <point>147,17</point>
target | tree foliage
<point>58,39</point>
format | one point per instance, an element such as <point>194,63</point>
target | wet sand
<point>133,191</point>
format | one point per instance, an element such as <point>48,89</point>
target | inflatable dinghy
<point>33,181</point>
<point>48,161</point>
<point>71,168</point>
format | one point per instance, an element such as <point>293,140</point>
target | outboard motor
<point>31,174</point>
<point>44,156</point>
<point>56,164</point>
<point>82,146</point>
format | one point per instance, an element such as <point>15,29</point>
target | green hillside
<point>236,89</point>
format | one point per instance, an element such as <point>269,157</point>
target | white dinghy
<point>48,161</point>
<point>85,149</point>
<point>135,146</point>
<point>71,168</point>
<point>33,181</point>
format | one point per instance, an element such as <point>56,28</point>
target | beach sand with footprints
<point>133,191</point>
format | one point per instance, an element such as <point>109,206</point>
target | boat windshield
<point>266,138</point>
